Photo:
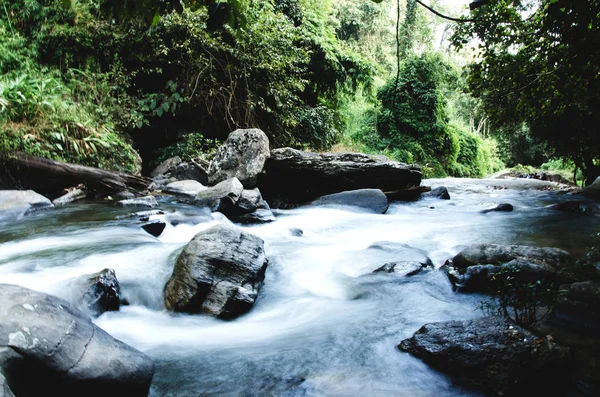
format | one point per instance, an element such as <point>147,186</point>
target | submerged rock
<point>505,207</point>
<point>148,201</point>
<point>372,200</point>
<point>241,156</point>
<point>575,206</point>
<point>219,273</point>
<point>295,177</point>
<point>493,354</point>
<point>402,268</point>
<point>49,347</point>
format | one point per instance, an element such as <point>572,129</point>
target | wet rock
<point>440,192</point>
<point>154,228</point>
<point>258,216</point>
<point>296,232</point>
<point>73,195</point>
<point>241,156</point>
<point>166,166</point>
<point>575,206</point>
<point>15,202</point>
<point>148,201</point>
<point>505,207</point>
<point>250,208</point>
<point>219,273</point>
<point>124,195</point>
<point>494,355</point>
<point>221,197</point>
<point>397,252</point>
<point>402,268</point>
<point>579,305</point>
<point>372,200</point>
<point>46,344</point>
<point>593,190</point>
<point>295,177</point>
<point>95,293</point>
<point>185,188</point>
<point>142,215</point>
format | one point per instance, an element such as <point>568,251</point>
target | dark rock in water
<point>576,206</point>
<point>579,305</point>
<point>124,195</point>
<point>440,192</point>
<point>403,268</point>
<point>258,216</point>
<point>187,188</point>
<point>219,273</point>
<point>148,201</point>
<point>296,232</point>
<point>294,177</point>
<point>189,171</point>
<point>48,347</point>
<point>494,355</point>
<point>16,202</point>
<point>470,270</point>
<point>221,197</point>
<point>593,190</point>
<point>241,156</point>
<point>101,291</point>
<point>388,255</point>
<point>73,195</point>
<point>154,228</point>
<point>373,200</point>
<point>505,207</point>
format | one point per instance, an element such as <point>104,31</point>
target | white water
<point>323,324</point>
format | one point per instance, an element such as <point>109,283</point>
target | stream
<point>324,324</point>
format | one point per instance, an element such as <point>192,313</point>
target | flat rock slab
<point>494,355</point>
<point>58,348</point>
<point>371,200</point>
<point>294,177</point>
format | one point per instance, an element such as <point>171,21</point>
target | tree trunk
<point>49,176</point>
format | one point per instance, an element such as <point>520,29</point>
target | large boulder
<point>593,190</point>
<point>372,200</point>
<point>219,273</point>
<point>16,202</point>
<point>47,346</point>
<point>242,156</point>
<point>295,177</point>
<point>472,269</point>
<point>493,354</point>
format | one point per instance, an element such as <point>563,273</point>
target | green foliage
<point>524,300</point>
<point>539,64</point>
<point>190,147</point>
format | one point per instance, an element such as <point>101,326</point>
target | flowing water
<point>324,324</point>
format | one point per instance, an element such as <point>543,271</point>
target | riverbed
<point>324,324</point>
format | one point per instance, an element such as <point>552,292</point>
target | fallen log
<point>43,175</point>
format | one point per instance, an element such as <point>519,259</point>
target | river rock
<point>73,195</point>
<point>258,216</point>
<point>402,268</point>
<point>95,293</point>
<point>294,177</point>
<point>251,208</point>
<point>219,273</point>
<point>185,188</point>
<point>154,228</point>
<point>21,201</point>
<point>166,166</point>
<point>579,305</point>
<point>440,192</point>
<point>505,207</point>
<point>241,156</point>
<point>493,354</point>
<point>575,206</point>
<point>372,200</point>
<point>47,346</point>
<point>593,190</point>
<point>221,197</point>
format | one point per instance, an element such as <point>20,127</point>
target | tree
<point>539,64</point>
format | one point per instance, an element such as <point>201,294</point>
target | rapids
<point>324,324</point>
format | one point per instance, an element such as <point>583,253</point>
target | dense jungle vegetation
<point>101,82</point>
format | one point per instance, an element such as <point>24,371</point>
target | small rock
<point>505,207</point>
<point>154,228</point>
<point>102,291</point>
<point>402,268</point>
<point>296,232</point>
<point>258,216</point>
<point>373,200</point>
<point>221,197</point>
<point>440,192</point>
<point>186,188</point>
